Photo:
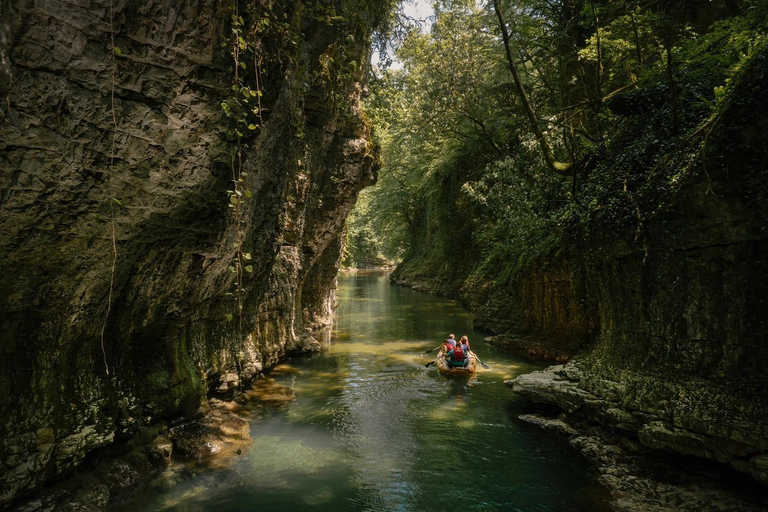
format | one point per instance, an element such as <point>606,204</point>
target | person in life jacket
<point>450,342</point>
<point>456,357</point>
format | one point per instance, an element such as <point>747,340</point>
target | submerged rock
<point>214,439</point>
<point>555,424</point>
<point>160,450</point>
<point>270,392</point>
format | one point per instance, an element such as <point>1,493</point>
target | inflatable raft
<point>445,369</point>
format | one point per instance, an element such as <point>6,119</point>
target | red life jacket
<point>458,353</point>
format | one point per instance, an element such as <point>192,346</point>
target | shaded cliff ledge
<point>114,474</point>
<point>65,394</point>
<point>647,463</point>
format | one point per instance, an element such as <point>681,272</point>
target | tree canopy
<point>513,126</point>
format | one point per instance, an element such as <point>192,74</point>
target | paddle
<point>430,363</point>
<point>433,349</point>
<point>479,361</point>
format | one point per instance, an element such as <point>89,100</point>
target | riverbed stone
<point>555,424</point>
<point>215,439</point>
<point>756,466</point>
<point>641,482</point>
<point>551,386</point>
<point>160,450</point>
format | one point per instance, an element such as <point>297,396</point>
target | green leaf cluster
<point>626,90</point>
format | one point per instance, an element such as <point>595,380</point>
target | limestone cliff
<point>680,360</point>
<point>65,390</point>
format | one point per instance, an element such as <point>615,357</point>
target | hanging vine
<point>244,111</point>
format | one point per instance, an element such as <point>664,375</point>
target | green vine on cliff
<point>244,112</point>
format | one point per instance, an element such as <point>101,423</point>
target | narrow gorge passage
<point>366,426</point>
<point>181,183</point>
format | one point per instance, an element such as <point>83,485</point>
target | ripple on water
<point>365,426</point>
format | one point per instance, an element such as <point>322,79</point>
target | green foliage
<point>628,46</point>
<point>717,56</point>
<point>442,104</point>
<point>522,207</point>
<point>243,111</point>
<point>628,91</point>
<point>364,247</point>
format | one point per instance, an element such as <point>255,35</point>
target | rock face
<point>679,364</point>
<point>98,340</point>
<point>546,311</point>
<point>544,314</point>
<point>624,442</point>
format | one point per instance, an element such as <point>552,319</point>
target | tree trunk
<point>562,168</point>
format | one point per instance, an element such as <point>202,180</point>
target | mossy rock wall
<point>683,343</point>
<point>64,392</point>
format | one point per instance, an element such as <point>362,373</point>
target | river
<point>368,427</point>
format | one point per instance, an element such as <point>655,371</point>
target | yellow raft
<point>445,369</point>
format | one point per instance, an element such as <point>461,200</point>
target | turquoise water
<point>370,428</point>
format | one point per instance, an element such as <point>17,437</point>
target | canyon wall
<point>116,235</point>
<point>679,361</point>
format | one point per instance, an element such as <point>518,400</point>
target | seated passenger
<point>456,357</point>
<point>451,341</point>
<point>465,345</point>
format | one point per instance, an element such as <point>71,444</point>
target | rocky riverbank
<point>638,453</point>
<point>211,441</point>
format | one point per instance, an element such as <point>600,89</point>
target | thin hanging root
<point>111,195</point>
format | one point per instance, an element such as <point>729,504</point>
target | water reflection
<point>365,426</point>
